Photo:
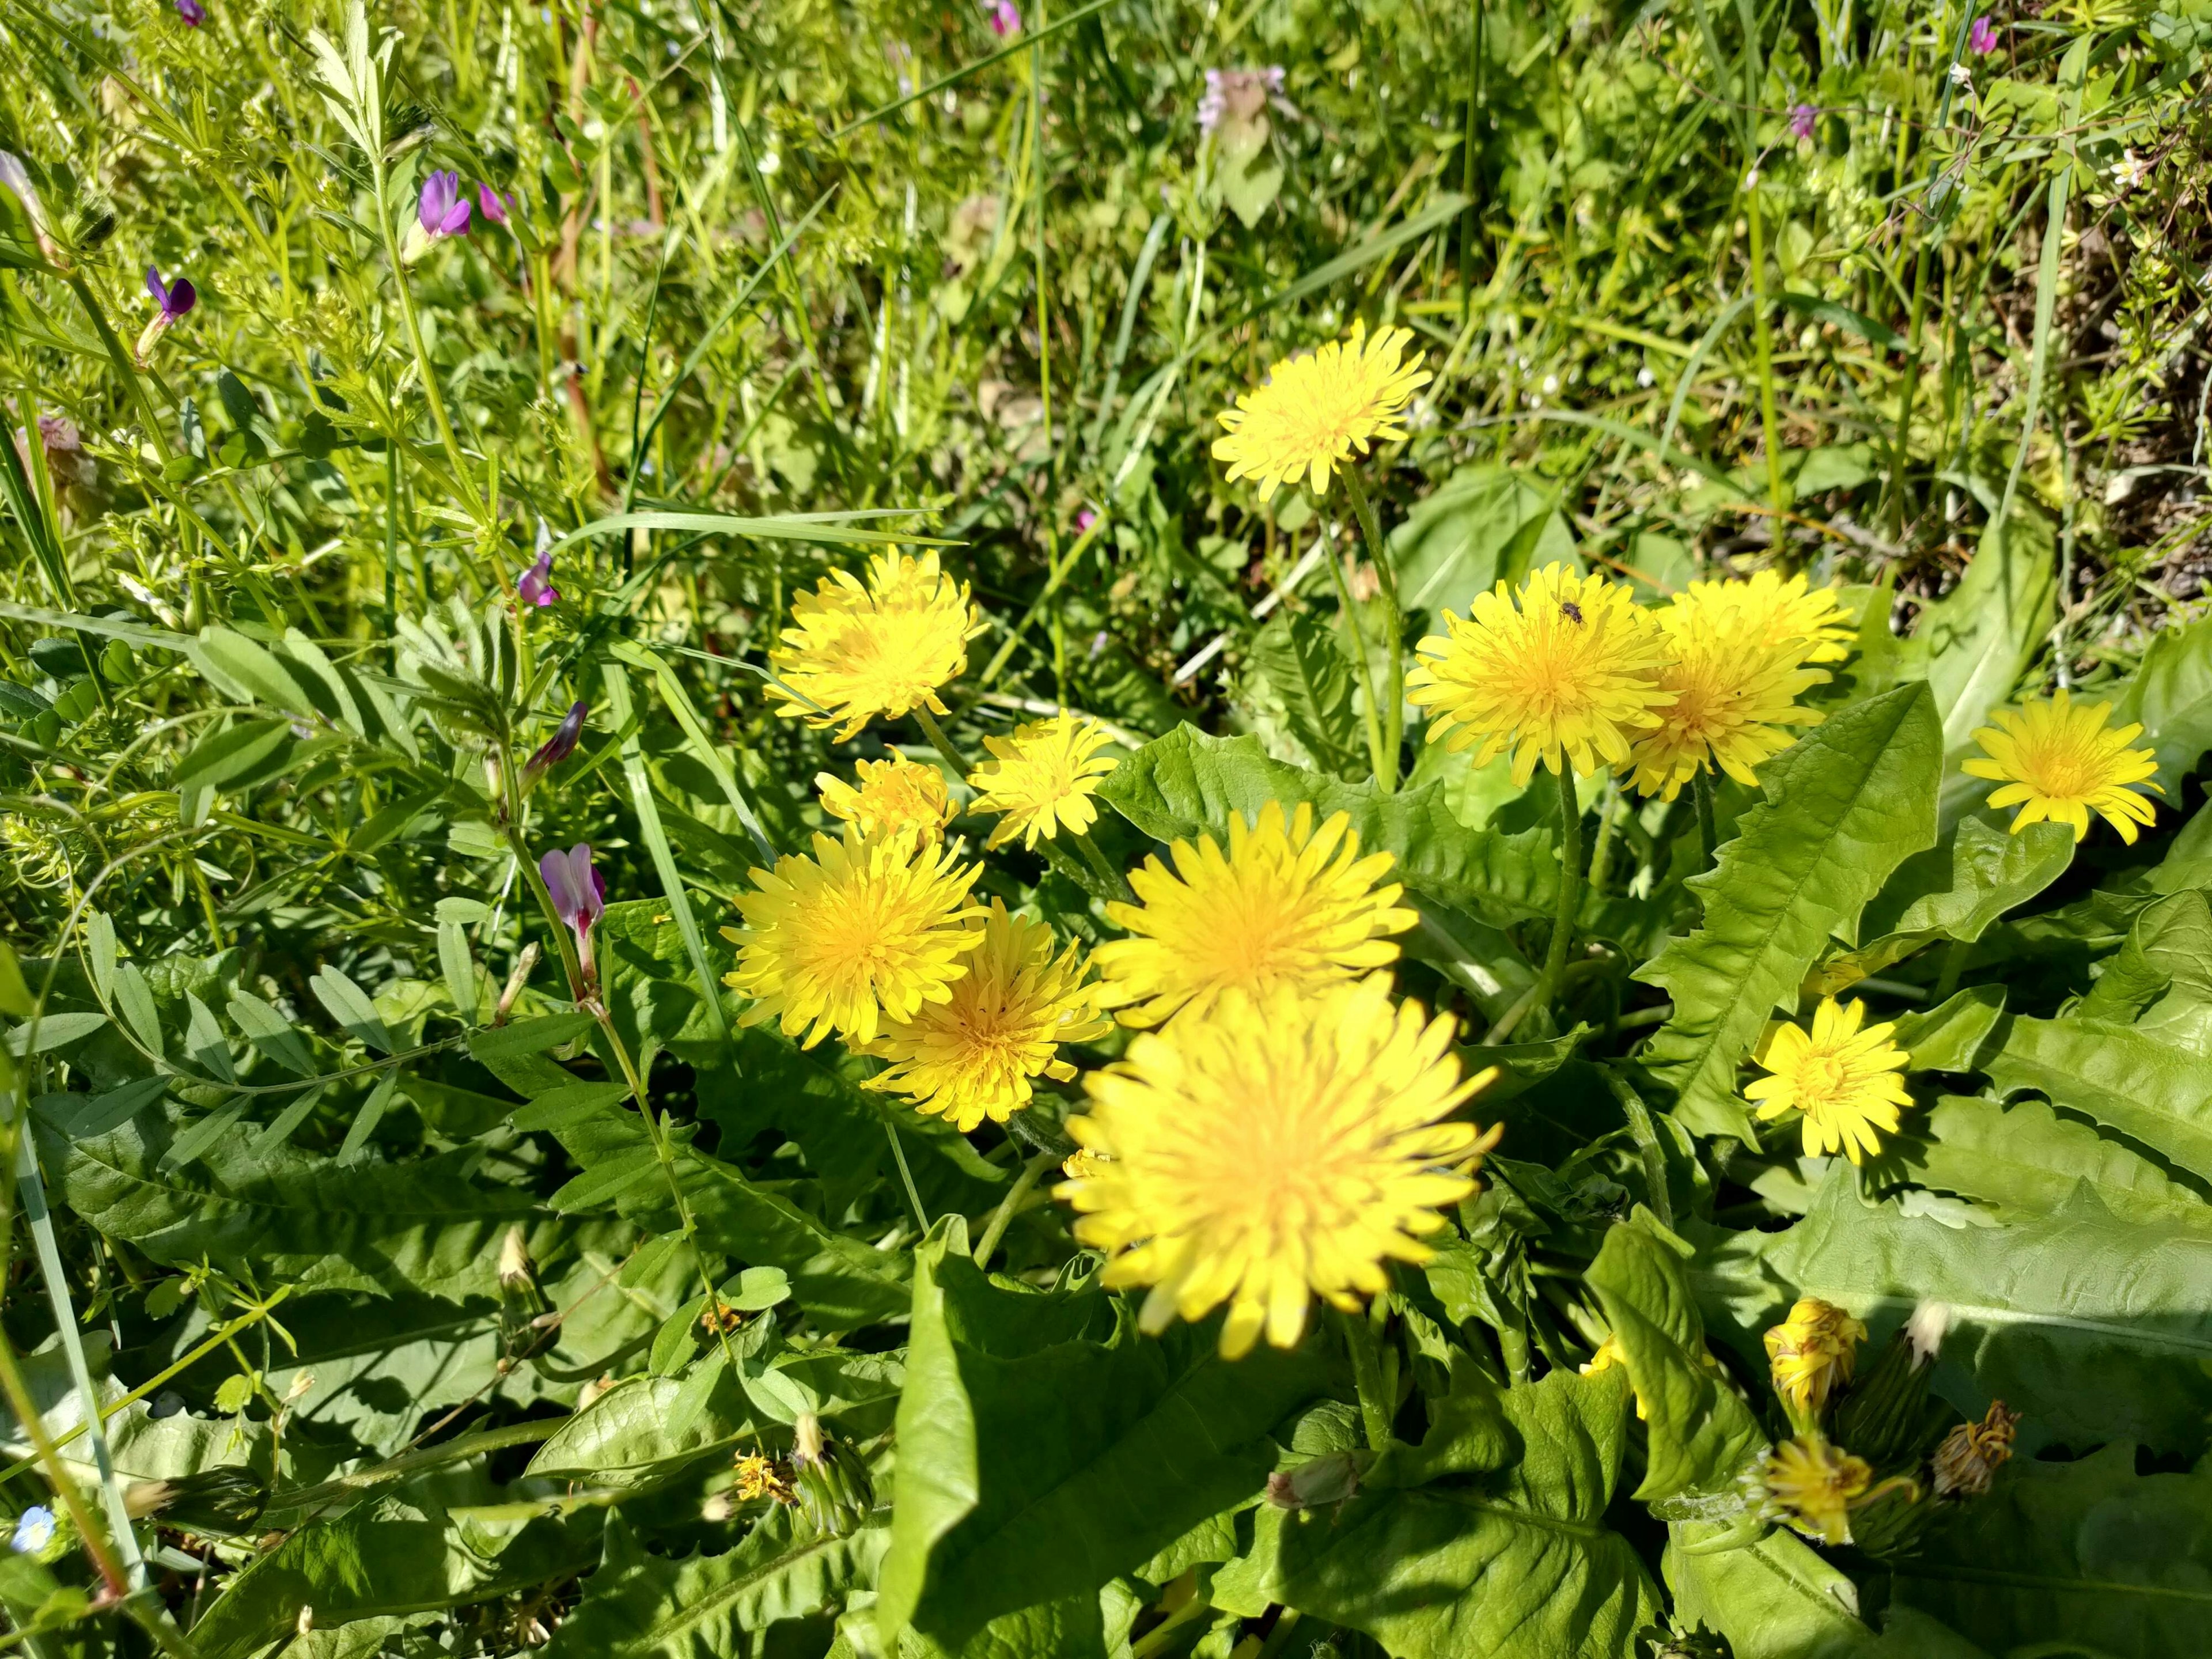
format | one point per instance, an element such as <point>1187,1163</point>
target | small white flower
<point>2129,170</point>
<point>1645,378</point>
<point>1961,75</point>
<point>1551,386</point>
<point>771,163</point>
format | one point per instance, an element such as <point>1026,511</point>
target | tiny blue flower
<point>34,1530</point>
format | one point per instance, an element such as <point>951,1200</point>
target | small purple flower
<point>1083,521</point>
<point>491,205</point>
<point>1982,37</point>
<point>1802,120</point>
<point>535,586</point>
<point>580,896</point>
<point>193,12</point>
<point>1212,104</point>
<point>556,748</point>
<point>442,211</point>
<point>1005,18</point>
<point>175,299</point>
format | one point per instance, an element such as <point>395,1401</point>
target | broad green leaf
<point>1484,525</point>
<point>1514,1559</point>
<point>350,1006</point>
<point>1045,1446</point>
<point>638,1604</point>
<point>1844,807</point>
<point>384,1557</point>
<point>1768,1592</point>
<point>2097,1325</point>
<point>2153,1090</point>
<point>2079,1558</point>
<point>1306,668</point>
<point>2161,977</point>
<point>1979,638</point>
<point>1956,1035</point>
<point>2026,1160</point>
<point>625,1438</point>
<point>1701,1432</point>
<point>277,1211</point>
<point>2171,697</point>
<point>1988,871</point>
<point>1186,784</point>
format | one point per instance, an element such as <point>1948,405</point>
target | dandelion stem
<point>1393,711</point>
<point>960,764</point>
<point>1117,884</point>
<point>913,1196</point>
<point>1571,891</point>
<point>1701,791</point>
<point>1374,1411</point>
<point>1360,663</point>
<point>1011,1205</point>
<point>1646,1135</point>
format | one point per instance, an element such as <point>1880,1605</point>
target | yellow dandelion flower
<point>1814,1486</point>
<point>1041,779</point>
<point>1287,904</point>
<point>1734,697</point>
<point>866,931</point>
<point>1316,408</point>
<point>1283,1146</point>
<point>854,653</point>
<point>2061,763</point>
<point>1848,1083</point>
<point>889,796</point>
<point>1972,1453</point>
<point>1567,675</point>
<point>972,1055</point>
<point>1811,1353</point>
<point>1778,610</point>
<point>1082,1165</point>
<point>1610,1353</point>
<point>760,1477</point>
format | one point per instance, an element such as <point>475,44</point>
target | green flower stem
<point>1608,816</point>
<point>1009,1207</point>
<point>463,484</point>
<point>1117,884</point>
<point>1701,791</point>
<point>1393,712</point>
<point>1374,1412</point>
<point>1777,487</point>
<point>1370,706</point>
<point>1646,1135</point>
<point>913,1193</point>
<point>960,764</point>
<point>1570,891</point>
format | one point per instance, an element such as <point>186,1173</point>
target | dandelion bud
<point>1329,1479</point>
<point>833,1486</point>
<point>1925,1330</point>
<point>717,1508</point>
<point>305,1624</point>
<point>516,1270</point>
<point>1813,1353</point>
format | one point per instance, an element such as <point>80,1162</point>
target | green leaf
<point>350,1006</point>
<point>2080,1558</point>
<point>134,1000</point>
<point>270,1032</point>
<point>1988,871</point>
<point>1844,807</point>
<point>1702,1433</point>
<point>1186,784</point>
<point>1484,525</point>
<point>527,1037</point>
<point>627,1438</point>
<point>54,1031</point>
<point>1305,666</point>
<point>460,970</point>
<point>249,752</point>
<point>2026,1160</point>
<point>248,672</point>
<point>2170,696</point>
<point>2097,1325</point>
<point>1045,1446</point>
<point>1513,1560</point>
<point>1979,638</point>
<point>384,1557</point>
<point>83,1116</point>
<point>15,996</point>
<point>1769,1593</point>
<point>638,1604</point>
<point>1954,1035</point>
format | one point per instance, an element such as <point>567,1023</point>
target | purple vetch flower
<point>193,12</point>
<point>1005,18</point>
<point>535,586</point>
<point>1982,37</point>
<point>1083,521</point>
<point>556,748</point>
<point>1803,119</point>
<point>175,299</point>
<point>579,897</point>
<point>441,210</point>
<point>491,205</point>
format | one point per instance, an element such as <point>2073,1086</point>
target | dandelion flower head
<point>974,1055</point>
<point>2059,761</point>
<point>1814,1486</point>
<point>889,796</point>
<point>1777,609</point>
<point>1316,409</point>
<point>1811,1353</point>
<point>1847,1083</point>
<point>1734,701</point>
<point>856,653</point>
<point>1972,1453</point>
<point>1565,672</point>
<point>1041,779</point>
<point>1286,904</point>
<point>866,931</point>
<point>1283,1146</point>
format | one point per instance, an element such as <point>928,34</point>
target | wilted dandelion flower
<point>1734,699</point>
<point>2062,763</point>
<point>1778,610</point>
<point>1972,1453</point>
<point>760,1477</point>
<point>1814,1486</point>
<point>854,653</point>
<point>889,796</point>
<point>1568,675</point>
<point>1041,779</point>
<point>974,1056</point>
<point>1280,1148</point>
<point>1286,904</point>
<point>1316,409</point>
<point>1848,1083</point>
<point>863,933</point>
<point>1812,1352</point>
